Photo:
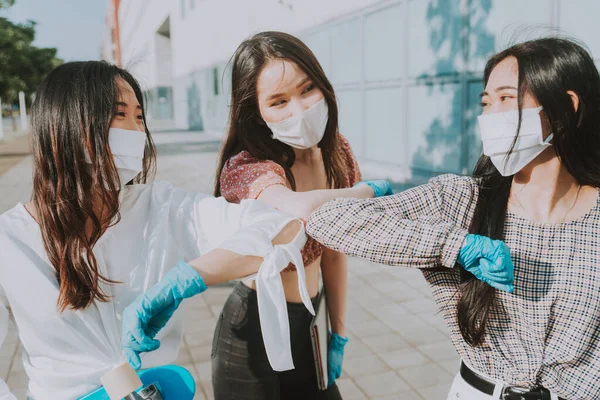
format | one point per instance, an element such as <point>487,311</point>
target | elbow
<point>316,221</point>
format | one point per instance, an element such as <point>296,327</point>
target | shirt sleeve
<point>5,393</point>
<point>247,228</point>
<point>245,177</point>
<point>420,227</point>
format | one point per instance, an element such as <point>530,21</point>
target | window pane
<point>346,54</point>
<point>385,139</point>
<point>434,127</point>
<point>581,22</point>
<point>434,47</point>
<point>320,44</point>
<point>494,25</point>
<point>350,119</point>
<point>384,52</point>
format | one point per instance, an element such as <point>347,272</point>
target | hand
<point>489,260</point>
<point>335,357</point>
<point>150,311</point>
<point>380,187</point>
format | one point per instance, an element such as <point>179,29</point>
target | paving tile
<point>386,383</point>
<point>440,351</point>
<point>349,390</point>
<point>363,366</point>
<point>372,328</point>
<point>410,395</point>
<point>426,375</point>
<point>404,358</point>
<point>438,392</point>
<point>386,343</point>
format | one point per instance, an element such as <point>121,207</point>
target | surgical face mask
<point>498,132</point>
<point>305,130</point>
<point>127,148</point>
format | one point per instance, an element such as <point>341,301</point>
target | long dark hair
<point>71,116</point>
<point>248,131</point>
<point>547,69</point>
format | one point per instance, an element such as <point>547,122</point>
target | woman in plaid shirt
<point>535,189</point>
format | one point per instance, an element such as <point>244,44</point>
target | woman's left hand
<point>335,357</point>
<point>380,187</point>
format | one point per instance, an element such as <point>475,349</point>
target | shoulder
<point>14,220</point>
<point>245,177</point>
<point>243,159</point>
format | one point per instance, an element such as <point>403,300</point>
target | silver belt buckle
<point>516,390</point>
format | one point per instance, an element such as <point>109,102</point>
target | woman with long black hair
<point>534,333</point>
<point>284,148</point>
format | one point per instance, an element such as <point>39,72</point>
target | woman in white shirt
<point>95,235</point>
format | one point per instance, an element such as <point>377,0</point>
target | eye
<point>140,117</point>
<point>278,103</point>
<point>120,113</point>
<point>484,104</point>
<point>506,97</point>
<point>308,88</point>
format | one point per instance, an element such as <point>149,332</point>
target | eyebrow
<point>277,95</point>
<point>498,89</point>
<point>123,104</point>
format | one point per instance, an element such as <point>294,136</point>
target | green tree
<point>6,3</point>
<point>22,65</point>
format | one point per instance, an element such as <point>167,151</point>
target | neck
<point>544,183</point>
<point>308,156</point>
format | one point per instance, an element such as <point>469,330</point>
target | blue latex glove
<point>335,357</point>
<point>151,311</point>
<point>380,187</point>
<point>489,260</point>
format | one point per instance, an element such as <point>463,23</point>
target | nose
<point>297,107</point>
<point>134,124</point>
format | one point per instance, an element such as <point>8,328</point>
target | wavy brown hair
<point>248,131</point>
<point>76,202</point>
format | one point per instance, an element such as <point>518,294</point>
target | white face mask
<point>127,148</point>
<point>305,130</point>
<point>498,133</point>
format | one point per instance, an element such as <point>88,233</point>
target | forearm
<point>372,230</point>
<point>302,204</point>
<point>334,268</point>
<point>220,265</point>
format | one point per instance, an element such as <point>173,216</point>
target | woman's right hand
<point>151,311</point>
<point>380,187</point>
<point>489,260</point>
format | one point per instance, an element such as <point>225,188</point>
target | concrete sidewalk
<point>399,346</point>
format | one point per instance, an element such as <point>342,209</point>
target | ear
<point>574,99</point>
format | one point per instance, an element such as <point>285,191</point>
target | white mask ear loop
<point>549,138</point>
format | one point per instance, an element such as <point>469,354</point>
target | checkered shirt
<point>547,332</point>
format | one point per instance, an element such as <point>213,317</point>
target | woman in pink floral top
<point>284,148</point>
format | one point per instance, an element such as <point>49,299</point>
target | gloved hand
<point>489,260</point>
<point>380,187</point>
<point>335,357</point>
<point>151,311</point>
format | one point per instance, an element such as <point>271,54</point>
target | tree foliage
<point>22,65</point>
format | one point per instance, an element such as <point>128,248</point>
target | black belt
<point>486,386</point>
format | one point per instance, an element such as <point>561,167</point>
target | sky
<point>74,27</point>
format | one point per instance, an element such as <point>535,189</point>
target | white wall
<point>164,62</point>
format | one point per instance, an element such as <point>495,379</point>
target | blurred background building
<point>407,73</point>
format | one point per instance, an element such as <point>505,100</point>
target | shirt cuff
<point>454,243</point>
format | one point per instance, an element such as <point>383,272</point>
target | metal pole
<point>1,122</point>
<point>23,111</point>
